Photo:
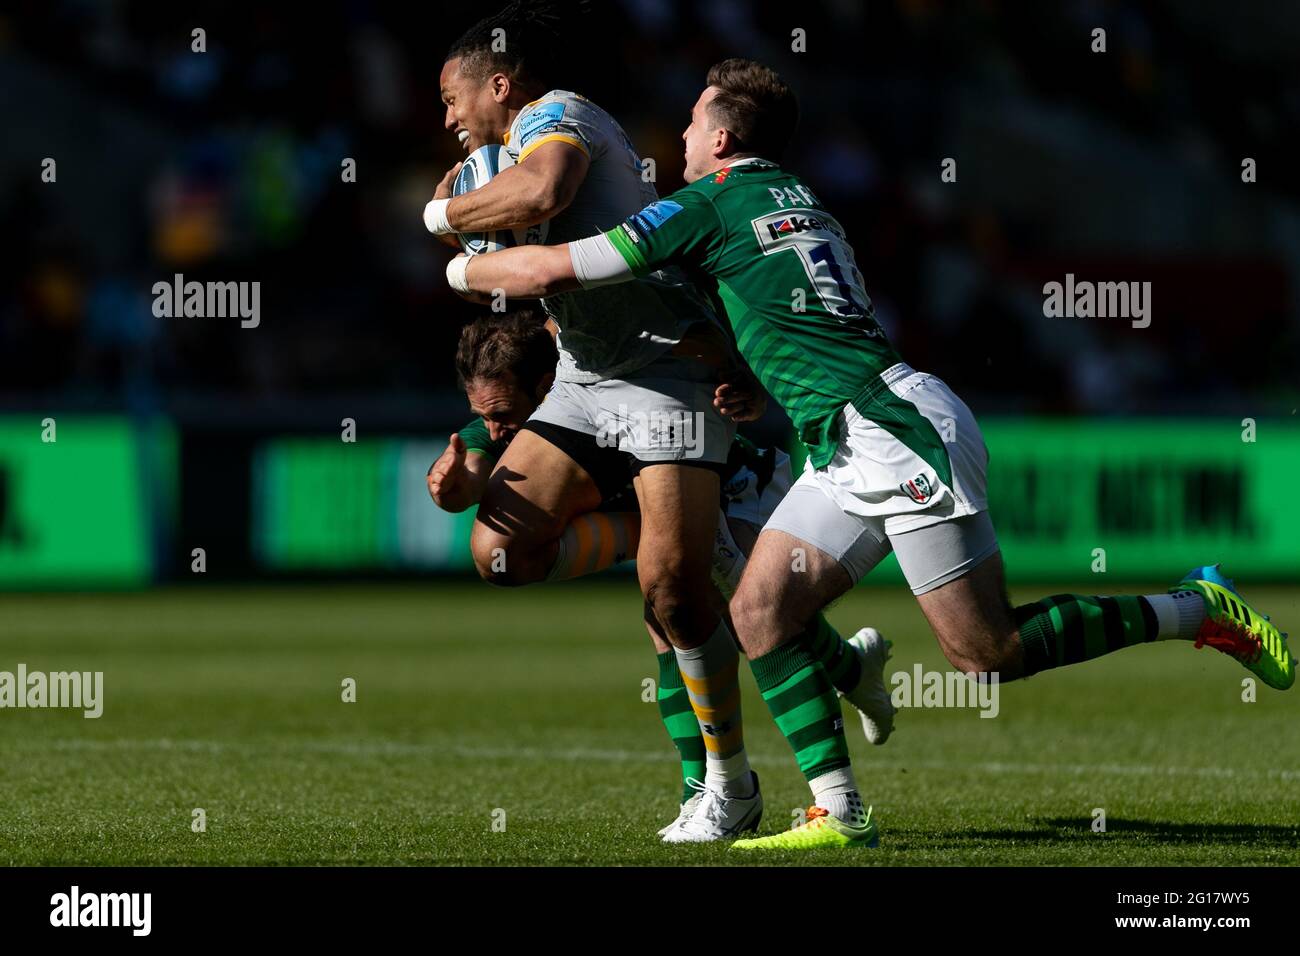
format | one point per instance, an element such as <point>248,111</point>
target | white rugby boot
<point>688,808</point>
<point>870,696</point>
<point>719,817</point>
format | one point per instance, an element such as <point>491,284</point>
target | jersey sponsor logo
<point>630,232</point>
<point>781,226</point>
<point>655,215</point>
<point>918,489</point>
<point>538,121</point>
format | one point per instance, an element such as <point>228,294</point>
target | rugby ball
<point>479,167</point>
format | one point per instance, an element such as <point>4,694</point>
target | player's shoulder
<point>566,98</point>
<point>730,189</point>
<point>555,107</point>
<point>559,114</point>
<point>733,178</point>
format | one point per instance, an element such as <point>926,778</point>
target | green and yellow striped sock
<point>1069,628</point>
<point>803,703</point>
<point>679,720</point>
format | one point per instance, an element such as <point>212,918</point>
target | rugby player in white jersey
<point>630,375</point>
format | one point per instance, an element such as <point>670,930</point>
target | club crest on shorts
<point>918,489</point>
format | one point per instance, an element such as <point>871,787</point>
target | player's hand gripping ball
<point>478,168</point>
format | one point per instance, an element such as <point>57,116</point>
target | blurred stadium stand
<point>225,165</point>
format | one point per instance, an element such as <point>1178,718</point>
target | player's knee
<point>679,608</point>
<point>492,561</point>
<point>992,657</point>
<point>754,611</point>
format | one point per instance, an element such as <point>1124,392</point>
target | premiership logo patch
<point>918,489</point>
<point>655,215</point>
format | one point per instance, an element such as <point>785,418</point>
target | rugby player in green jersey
<point>896,459</point>
<point>506,365</point>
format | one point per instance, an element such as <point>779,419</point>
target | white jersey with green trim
<point>611,332</point>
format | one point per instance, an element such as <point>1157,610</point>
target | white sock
<point>730,777</point>
<point>837,794</point>
<point>1178,615</point>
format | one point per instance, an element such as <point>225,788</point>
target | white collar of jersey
<point>750,159</point>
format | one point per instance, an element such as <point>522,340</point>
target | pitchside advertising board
<point>1139,500</point>
<point>324,505</point>
<point>81,500</point>
<point>1145,500</point>
<point>96,507</point>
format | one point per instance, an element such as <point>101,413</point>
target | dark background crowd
<point>1117,166</point>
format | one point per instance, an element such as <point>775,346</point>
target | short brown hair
<point>517,342</point>
<point>755,105</point>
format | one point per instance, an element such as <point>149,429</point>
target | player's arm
<point>537,189</point>
<point>681,229</point>
<point>459,477</point>
<point>524,272</point>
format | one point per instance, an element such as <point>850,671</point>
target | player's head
<point>506,364</point>
<point>497,66</point>
<point>746,110</point>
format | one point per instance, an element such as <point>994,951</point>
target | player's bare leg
<point>856,667</point>
<point>534,492</point>
<point>972,619</point>
<point>786,582</point>
<point>679,507</point>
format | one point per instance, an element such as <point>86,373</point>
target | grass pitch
<point>472,701</point>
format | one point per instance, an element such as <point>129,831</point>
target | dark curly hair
<point>532,40</point>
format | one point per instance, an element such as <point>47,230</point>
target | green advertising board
<point>326,505</point>
<point>77,499</point>
<point>1143,500</point>
<point>1150,499</point>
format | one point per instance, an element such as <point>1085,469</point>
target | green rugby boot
<point>1237,629</point>
<point>822,830</point>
